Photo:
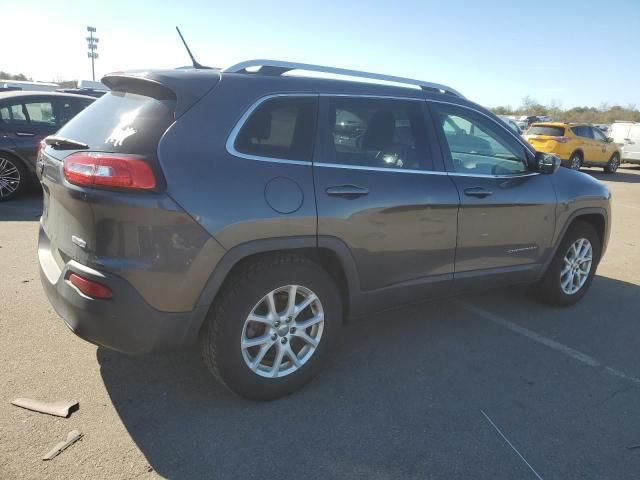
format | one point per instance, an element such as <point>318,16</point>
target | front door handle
<point>349,191</point>
<point>25,134</point>
<point>479,192</point>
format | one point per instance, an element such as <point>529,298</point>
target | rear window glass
<point>280,128</point>
<point>552,131</point>
<point>122,123</point>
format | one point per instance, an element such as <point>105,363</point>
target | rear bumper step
<point>124,323</point>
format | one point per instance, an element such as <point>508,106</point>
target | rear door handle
<point>479,192</point>
<point>25,134</point>
<point>349,191</point>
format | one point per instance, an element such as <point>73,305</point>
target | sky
<point>574,53</point>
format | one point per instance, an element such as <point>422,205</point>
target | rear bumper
<point>125,323</point>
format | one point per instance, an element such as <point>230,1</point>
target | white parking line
<point>571,352</point>
<point>511,445</point>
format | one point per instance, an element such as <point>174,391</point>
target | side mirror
<point>609,139</point>
<point>547,162</point>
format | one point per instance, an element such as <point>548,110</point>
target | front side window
<point>281,127</point>
<point>380,133</point>
<point>598,135</point>
<point>479,146</point>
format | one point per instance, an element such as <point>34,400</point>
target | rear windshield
<point>552,131</point>
<point>122,122</point>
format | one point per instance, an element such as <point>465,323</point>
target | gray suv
<point>257,212</point>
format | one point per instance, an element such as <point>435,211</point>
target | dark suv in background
<point>25,119</point>
<point>257,212</point>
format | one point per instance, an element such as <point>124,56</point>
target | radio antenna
<point>193,60</point>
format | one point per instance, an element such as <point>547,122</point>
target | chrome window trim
<point>231,139</point>
<point>378,169</point>
<point>421,172</point>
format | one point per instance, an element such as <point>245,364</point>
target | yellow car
<point>577,145</point>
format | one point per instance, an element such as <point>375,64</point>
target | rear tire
<point>255,372</point>
<point>568,278</point>
<point>613,164</point>
<point>575,161</point>
<point>13,177</point>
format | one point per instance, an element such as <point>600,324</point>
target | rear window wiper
<point>60,143</point>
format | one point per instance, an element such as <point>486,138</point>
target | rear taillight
<point>89,287</point>
<point>41,146</point>
<point>109,170</point>
<point>562,139</point>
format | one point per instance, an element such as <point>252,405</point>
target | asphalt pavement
<point>488,385</point>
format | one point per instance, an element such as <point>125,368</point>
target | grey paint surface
<point>412,236</point>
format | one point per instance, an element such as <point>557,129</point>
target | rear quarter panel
<point>225,193</point>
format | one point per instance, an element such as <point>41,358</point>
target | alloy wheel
<point>577,266</point>
<point>283,331</point>
<point>575,162</point>
<point>9,177</point>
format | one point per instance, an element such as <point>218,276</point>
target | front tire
<point>13,177</point>
<point>613,164</point>
<point>573,267</point>
<point>575,161</point>
<point>271,327</point>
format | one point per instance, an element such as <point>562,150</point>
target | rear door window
<point>584,132</point>
<point>40,113</point>
<point>281,127</point>
<point>380,133</point>
<point>122,122</point>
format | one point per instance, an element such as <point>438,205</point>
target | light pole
<point>92,45</point>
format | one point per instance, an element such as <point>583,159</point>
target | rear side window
<point>552,131</point>
<point>122,122</point>
<point>14,114</point>
<point>380,133</point>
<point>281,127</point>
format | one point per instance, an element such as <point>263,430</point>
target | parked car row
<point>26,118</point>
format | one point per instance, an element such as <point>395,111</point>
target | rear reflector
<point>562,139</point>
<point>109,170</point>
<point>89,287</point>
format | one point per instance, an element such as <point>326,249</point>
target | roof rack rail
<point>277,67</point>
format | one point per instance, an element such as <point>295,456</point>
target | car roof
<point>559,124</point>
<point>185,79</point>
<point>36,93</point>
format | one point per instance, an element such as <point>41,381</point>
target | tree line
<point>10,76</point>
<point>605,113</point>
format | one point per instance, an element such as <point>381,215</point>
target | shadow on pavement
<point>621,175</point>
<point>26,207</point>
<point>399,398</point>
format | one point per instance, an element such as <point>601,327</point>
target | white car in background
<point>627,136</point>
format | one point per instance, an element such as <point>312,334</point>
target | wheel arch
<point>25,164</point>
<point>329,252</point>
<point>596,217</point>
<point>577,150</point>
